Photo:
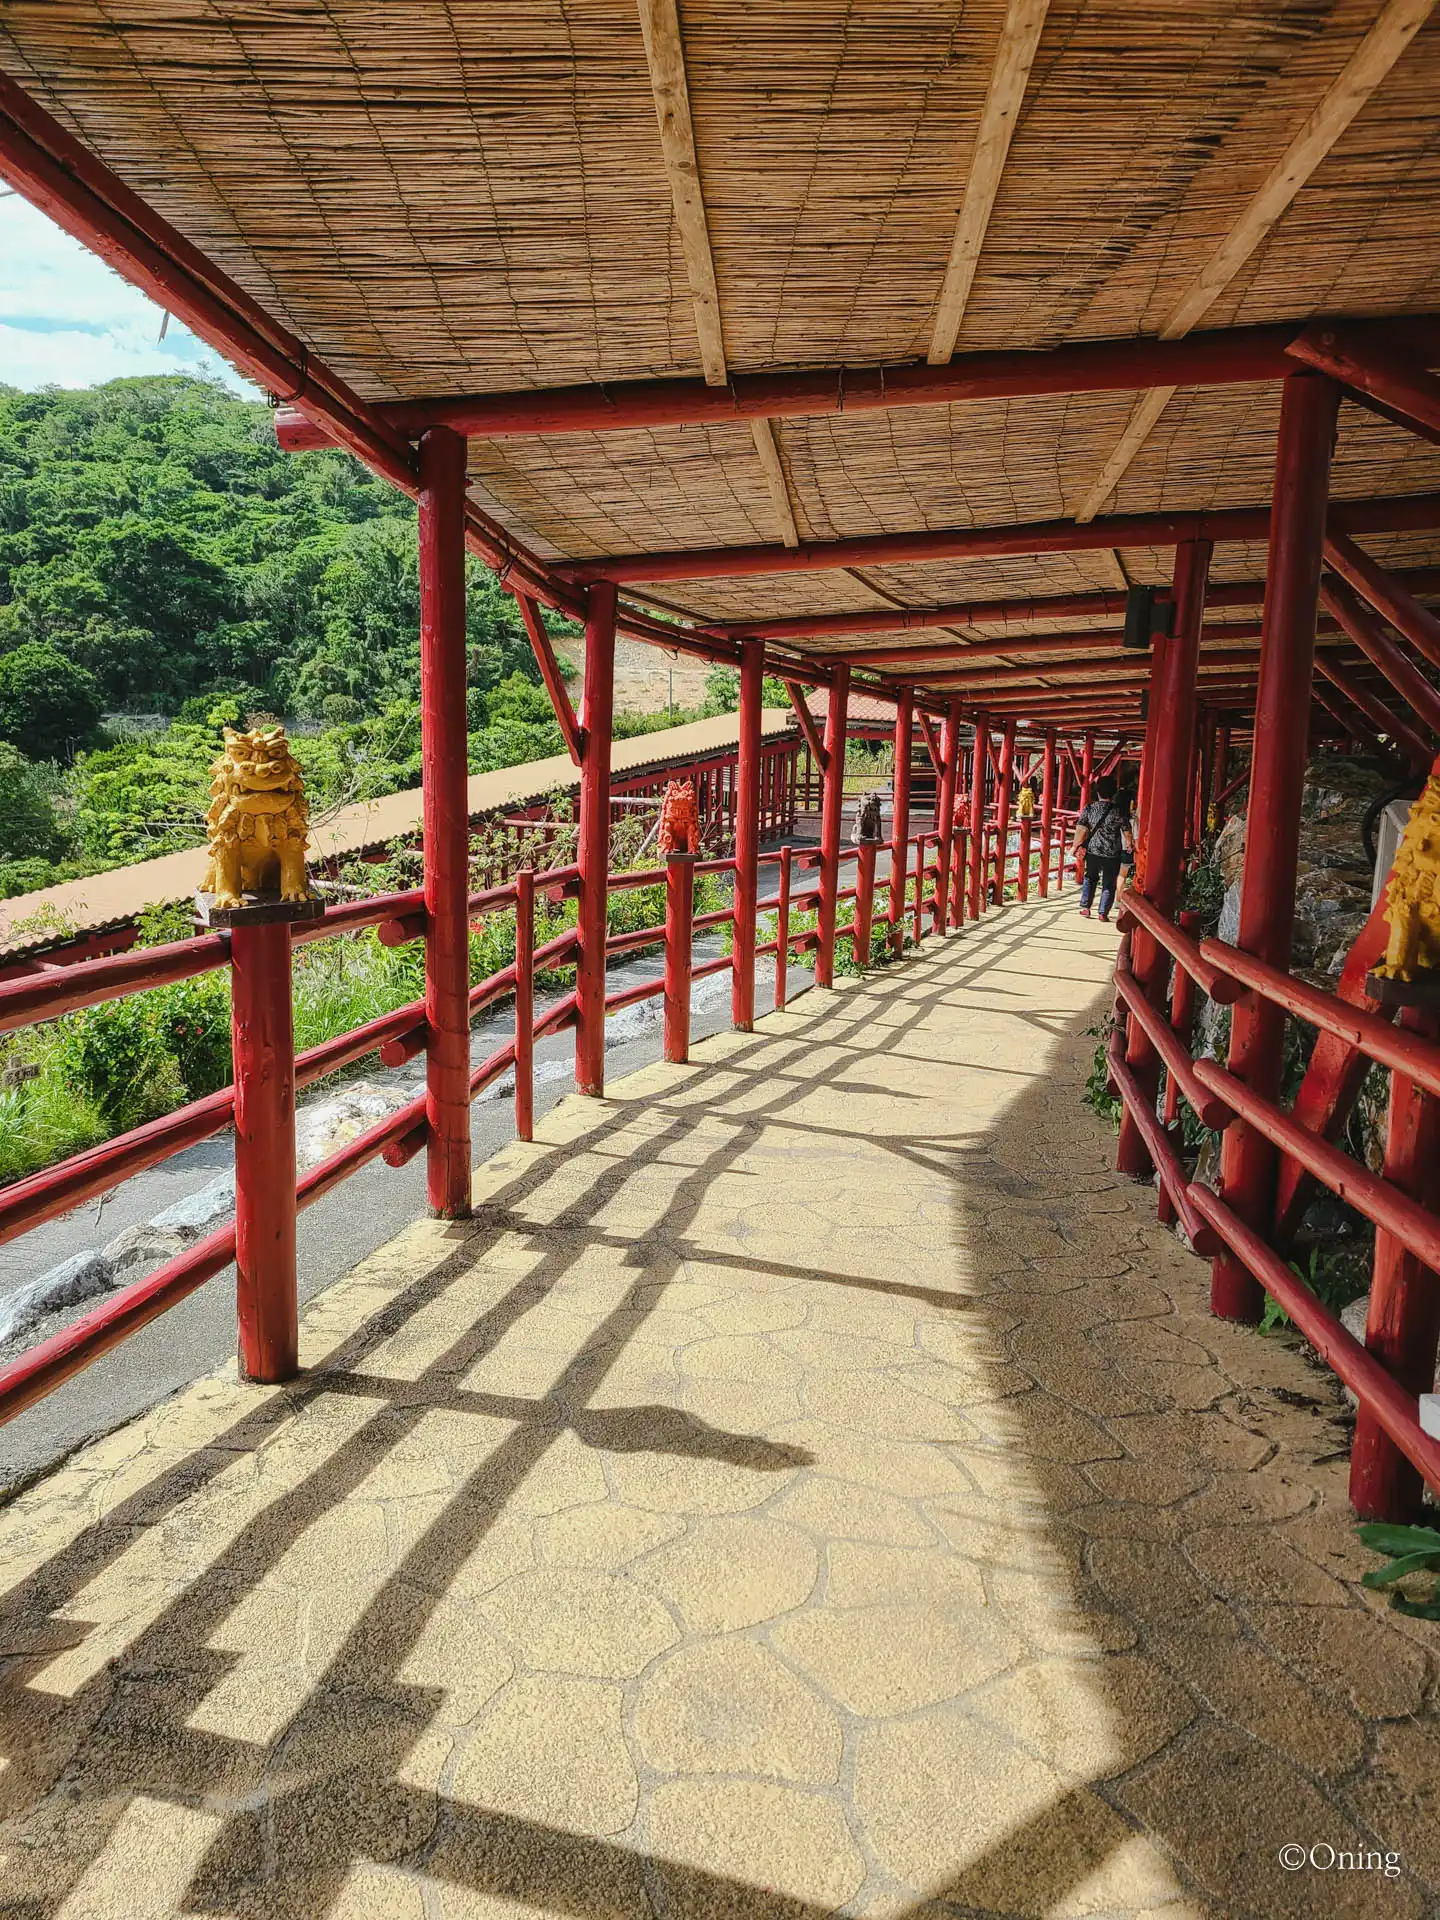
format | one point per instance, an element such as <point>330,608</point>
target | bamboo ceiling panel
<point>470,196</point>
<point>1215,447</point>
<point>1125,119</point>
<point>1358,237</point>
<point>594,494</point>
<point>979,464</point>
<point>437,197</point>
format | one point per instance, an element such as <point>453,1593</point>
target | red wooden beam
<point>1214,358</point>
<point>550,673</point>
<point>1403,1322</point>
<point>446,823</point>
<point>1377,646</point>
<point>594,842</point>
<point>831,808</point>
<point>1386,593</point>
<point>900,817</point>
<point>1381,717</point>
<point>932,745</point>
<point>1218,358</point>
<point>1403,513</point>
<point>747,839</point>
<point>980,613</point>
<point>1122,668</point>
<point>1398,380</point>
<point>262,1029</point>
<point>1161,840</point>
<point>807,723</point>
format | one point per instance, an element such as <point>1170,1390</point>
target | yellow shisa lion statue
<point>1412,898</point>
<point>258,820</point>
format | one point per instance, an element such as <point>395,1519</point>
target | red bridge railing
<point>1387,1372</point>
<point>927,893</point>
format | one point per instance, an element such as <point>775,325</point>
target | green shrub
<point>117,1056</point>
<point>1097,1094</point>
<point>194,1022</point>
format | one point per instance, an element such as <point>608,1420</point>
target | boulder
<point>80,1278</point>
<point>139,1248</point>
<point>199,1212</point>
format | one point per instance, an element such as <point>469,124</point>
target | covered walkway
<point>812,1482</point>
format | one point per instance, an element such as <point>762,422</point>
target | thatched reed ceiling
<point>464,197</point>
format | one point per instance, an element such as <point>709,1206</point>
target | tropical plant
<point>1412,1550</point>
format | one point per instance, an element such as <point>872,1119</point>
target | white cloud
<point>67,319</point>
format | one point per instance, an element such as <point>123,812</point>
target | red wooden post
<point>1404,1319</point>
<point>864,900</point>
<point>1308,408</point>
<point>1047,813</point>
<point>919,887</point>
<point>1221,774</point>
<point>900,821</point>
<point>264,1043</point>
<point>945,816</point>
<point>679,935</point>
<point>1207,779</point>
<point>1003,773</point>
<point>525,1003</point>
<point>446,822</point>
<point>832,806</point>
<point>1169,742</point>
<point>979,760</point>
<point>1022,878</point>
<point>958,851</point>
<point>1087,770</point>
<point>745,797</point>
<point>1182,1020</point>
<point>594,852</point>
<point>1061,776</point>
<point>782,929</point>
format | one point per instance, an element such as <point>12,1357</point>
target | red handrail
<point>1413,1225</point>
<point>1392,1406</point>
<point>1181,946</point>
<point>1394,1047</point>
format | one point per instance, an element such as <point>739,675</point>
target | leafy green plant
<point>1203,891</point>
<point>194,1021</point>
<point>1336,1274</point>
<point>1097,1094</point>
<point>1412,1550</point>
<point>116,1054</point>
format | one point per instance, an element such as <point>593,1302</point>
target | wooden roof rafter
<point>1014,57</point>
<point>665,56</point>
<point>1398,23</point>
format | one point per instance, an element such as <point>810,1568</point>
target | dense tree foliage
<point>160,556</point>
<point>153,532</point>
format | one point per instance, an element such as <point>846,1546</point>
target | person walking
<point>1105,831</point>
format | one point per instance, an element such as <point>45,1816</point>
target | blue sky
<point>67,320</point>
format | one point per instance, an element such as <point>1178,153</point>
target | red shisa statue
<point>679,822</point>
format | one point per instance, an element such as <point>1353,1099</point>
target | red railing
<point>1382,1372</point>
<point>932,885</point>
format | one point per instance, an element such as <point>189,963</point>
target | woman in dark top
<point>1105,832</point>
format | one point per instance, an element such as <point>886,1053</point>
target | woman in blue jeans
<point>1105,832</point>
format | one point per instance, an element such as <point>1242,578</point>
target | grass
<point>44,1120</point>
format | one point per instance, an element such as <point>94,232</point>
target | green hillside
<point>163,567</point>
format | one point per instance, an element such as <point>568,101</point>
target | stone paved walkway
<point>812,1485</point>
